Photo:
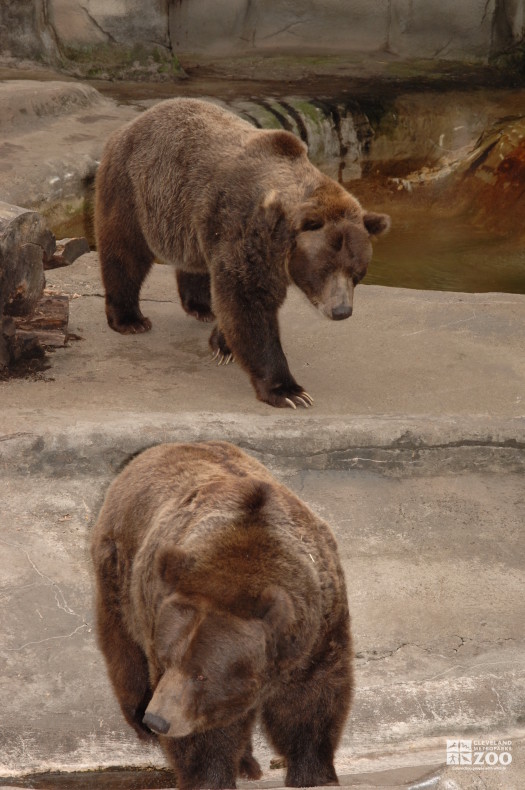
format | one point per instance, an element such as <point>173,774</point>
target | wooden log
<point>67,251</point>
<point>47,327</point>
<point>25,242</point>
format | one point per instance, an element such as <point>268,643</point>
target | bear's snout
<point>156,723</point>
<point>337,297</point>
<point>166,713</point>
<point>341,311</point>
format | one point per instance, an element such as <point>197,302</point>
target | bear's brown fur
<point>241,213</point>
<point>220,596</point>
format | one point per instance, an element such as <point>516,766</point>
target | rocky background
<point>89,36</point>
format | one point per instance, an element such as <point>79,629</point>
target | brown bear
<point>220,598</point>
<point>242,213</point>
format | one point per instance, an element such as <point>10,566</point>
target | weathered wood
<point>51,314</point>
<point>67,251</point>
<point>47,327</point>
<point>25,241</point>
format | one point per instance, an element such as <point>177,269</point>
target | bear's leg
<point>253,340</point>
<point>125,260</point>
<point>126,663</point>
<point>128,671</point>
<point>305,725</point>
<point>210,759</point>
<point>194,292</point>
<point>249,767</point>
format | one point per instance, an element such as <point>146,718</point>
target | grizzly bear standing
<point>220,596</point>
<point>241,213</point>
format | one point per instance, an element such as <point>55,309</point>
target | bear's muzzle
<point>166,714</point>
<point>337,297</point>
<point>156,723</point>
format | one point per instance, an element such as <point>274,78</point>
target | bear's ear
<point>172,562</point>
<point>277,612</point>
<point>376,224</point>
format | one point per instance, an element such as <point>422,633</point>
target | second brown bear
<point>242,213</point>
<point>220,597</point>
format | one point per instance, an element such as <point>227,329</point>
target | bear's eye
<point>200,678</point>
<point>312,224</point>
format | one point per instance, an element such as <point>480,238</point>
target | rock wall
<point>57,29</point>
<point>409,28</point>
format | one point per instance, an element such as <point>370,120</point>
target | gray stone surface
<point>406,29</point>
<point>51,136</point>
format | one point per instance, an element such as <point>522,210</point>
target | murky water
<point>93,780</point>
<point>431,252</point>
<point>423,250</point>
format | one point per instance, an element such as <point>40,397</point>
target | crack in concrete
<point>513,444</point>
<point>442,326</point>
<point>103,296</point>
<point>373,655</point>
<point>470,667</point>
<point>47,639</point>
<point>60,598</point>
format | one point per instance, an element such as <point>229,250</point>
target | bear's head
<point>213,666</point>
<point>332,248</point>
<point>210,664</point>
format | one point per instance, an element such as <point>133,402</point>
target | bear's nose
<point>341,311</point>
<point>156,723</point>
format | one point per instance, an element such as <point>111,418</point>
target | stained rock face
<point>80,29</point>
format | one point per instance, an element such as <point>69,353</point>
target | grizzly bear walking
<point>241,213</point>
<point>220,597</point>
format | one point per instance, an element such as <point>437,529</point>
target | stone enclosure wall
<point>58,30</point>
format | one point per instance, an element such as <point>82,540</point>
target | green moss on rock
<point>118,61</point>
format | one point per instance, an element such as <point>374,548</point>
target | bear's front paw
<point>281,396</point>
<point>221,350</point>
<point>127,323</point>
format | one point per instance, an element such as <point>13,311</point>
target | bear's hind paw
<point>249,768</point>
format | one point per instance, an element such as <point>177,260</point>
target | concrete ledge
<point>390,446</point>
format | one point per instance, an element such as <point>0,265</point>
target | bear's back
<point>231,515</point>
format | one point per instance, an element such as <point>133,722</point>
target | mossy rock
<point>121,62</point>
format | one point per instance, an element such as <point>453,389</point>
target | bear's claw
<point>288,398</point>
<point>303,399</point>
<point>223,359</point>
